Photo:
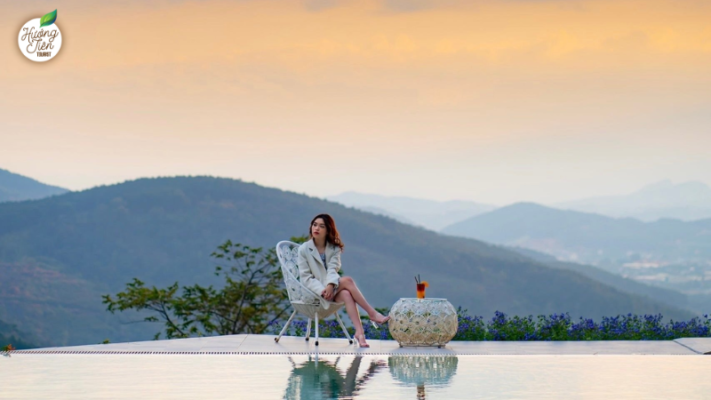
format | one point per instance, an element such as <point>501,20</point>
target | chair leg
<point>283,330</point>
<point>308,330</point>
<point>316,327</point>
<point>343,326</point>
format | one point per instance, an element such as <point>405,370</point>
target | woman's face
<point>318,228</point>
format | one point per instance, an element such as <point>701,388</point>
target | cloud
<point>321,5</point>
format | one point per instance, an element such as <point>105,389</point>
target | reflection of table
<point>423,370</point>
<point>420,370</point>
<point>423,322</point>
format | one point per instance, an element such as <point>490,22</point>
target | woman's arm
<point>332,268</point>
<point>306,277</point>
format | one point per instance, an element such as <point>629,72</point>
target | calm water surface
<point>26,376</point>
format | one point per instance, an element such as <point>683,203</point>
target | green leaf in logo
<point>48,19</point>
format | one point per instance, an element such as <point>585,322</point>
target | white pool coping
<point>289,345</point>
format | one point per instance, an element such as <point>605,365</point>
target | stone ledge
<point>699,345</point>
<point>289,345</point>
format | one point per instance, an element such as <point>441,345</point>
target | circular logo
<point>40,38</point>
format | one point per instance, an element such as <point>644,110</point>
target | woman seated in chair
<point>319,263</point>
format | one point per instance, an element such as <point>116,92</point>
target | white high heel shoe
<point>376,325</point>
<point>358,338</point>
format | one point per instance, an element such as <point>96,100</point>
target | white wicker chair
<point>304,301</point>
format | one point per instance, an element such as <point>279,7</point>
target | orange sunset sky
<point>487,100</point>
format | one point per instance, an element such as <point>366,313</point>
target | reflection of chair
<point>303,300</point>
<point>322,380</point>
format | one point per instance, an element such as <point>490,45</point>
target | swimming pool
<point>212,376</point>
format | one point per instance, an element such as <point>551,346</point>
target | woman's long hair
<point>332,235</point>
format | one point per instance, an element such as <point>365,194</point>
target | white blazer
<point>312,273</point>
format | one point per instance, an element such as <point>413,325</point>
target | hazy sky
<point>487,100</point>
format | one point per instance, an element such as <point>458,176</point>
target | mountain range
<point>590,238</point>
<point>58,255</point>
<point>686,201</point>
<point>430,214</point>
<point>667,253</point>
<point>623,284</point>
<point>14,187</point>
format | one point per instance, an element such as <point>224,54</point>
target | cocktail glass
<point>420,290</point>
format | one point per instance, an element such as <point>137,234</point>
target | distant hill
<point>685,201</point>
<point>585,237</point>
<point>10,335</point>
<point>626,285</point>
<point>429,214</point>
<point>381,211</point>
<point>59,254</point>
<point>14,187</point>
<point>667,253</point>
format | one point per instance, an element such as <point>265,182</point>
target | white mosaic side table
<point>423,322</point>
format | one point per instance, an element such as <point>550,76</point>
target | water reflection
<point>421,371</point>
<point>343,378</point>
<point>322,379</point>
<point>104,376</point>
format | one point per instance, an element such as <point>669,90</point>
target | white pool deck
<point>289,345</point>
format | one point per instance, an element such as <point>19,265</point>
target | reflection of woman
<point>321,379</point>
<point>319,263</point>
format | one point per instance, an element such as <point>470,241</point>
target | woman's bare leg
<point>347,283</point>
<point>344,296</point>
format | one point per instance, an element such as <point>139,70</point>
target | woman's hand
<point>328,292</point>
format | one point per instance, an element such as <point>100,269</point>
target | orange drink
<point>420,290</point>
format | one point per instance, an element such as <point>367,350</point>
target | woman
<point>319,263</point>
